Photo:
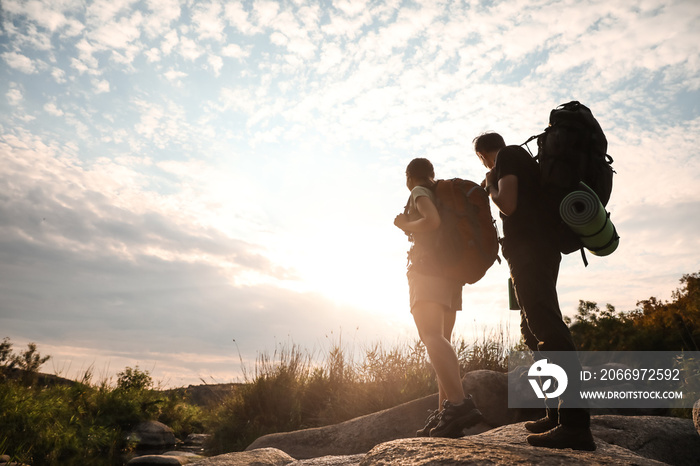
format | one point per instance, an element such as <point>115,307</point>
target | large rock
<point>490,392</point>
<point>503,446</point>
<point>152,435</point>
<point>349,460</point>
<point>639,440</point>
<point>696,415</point>
<point>260,457</point>
<point>163,460</point>
<point>488,388</point>
<point>358,435</point>
<point>667,439</point>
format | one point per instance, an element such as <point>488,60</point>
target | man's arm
<point>504,193</point>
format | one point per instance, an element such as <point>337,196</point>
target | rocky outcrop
<point>260,457</point>
<point>638,440</point>
<point>171,458</point>
<point>696,416</point>
<point>358,435</point>
<point>388,437</point>
<point>488,388</point>
<point>151,438</point>
<point>667,439</point>
<point>503,446</point>
<point>152,435</point>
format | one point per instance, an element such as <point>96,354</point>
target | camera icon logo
<point>551,376</point>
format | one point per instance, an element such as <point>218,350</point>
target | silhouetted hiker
<point>434,303</point>
<point>533,258</point>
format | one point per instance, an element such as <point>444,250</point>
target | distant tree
<point>653,326</point>
<point>28,361</point>
<point>7,361</point>
<point>675,324</point>
<point>594,329</point>
<point>134,379</point>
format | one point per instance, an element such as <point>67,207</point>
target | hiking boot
<point>564,437</point>
<point>432,421</point>
<point>455,418</point>
<point>541,425</point>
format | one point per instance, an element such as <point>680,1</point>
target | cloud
<point>618,35</point>
<point>189,48</point>
<point>104,11</point>
<point>170,41</point>
<point>162,14</point>
<point>265,11</point>
<point>152,55</point>
<point>208,21</point>
<point>105,211</point>
<point>58,75</point>
<point>117,34</point>
<point>238,17</point>
<point>351,7</point>
<point>101,86</point>
<point>86,60</point>
<point>14,95</point>
<point>51,109</point>
<point>164,124</point>
<point>216,63</point>
<point>96,261</point>
<point>20,62</point>
<point>175,77</point>
<point>234,51</point>
<point>45,14</point>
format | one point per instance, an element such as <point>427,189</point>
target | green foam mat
<point>583,212</point>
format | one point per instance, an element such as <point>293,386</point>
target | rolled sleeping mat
<point>583,212</point>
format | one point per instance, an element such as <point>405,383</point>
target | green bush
<point>134,379</point>
<point>84,423</point>
<point>654,326</point>
<point>27,362</point>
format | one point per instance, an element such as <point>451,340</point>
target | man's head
<point>486,146</point>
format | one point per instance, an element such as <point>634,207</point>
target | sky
<point>189,185</point>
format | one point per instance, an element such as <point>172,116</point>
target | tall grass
<point>290,391</point>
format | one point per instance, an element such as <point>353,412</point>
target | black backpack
<point>572,149</point>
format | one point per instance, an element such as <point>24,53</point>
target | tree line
<point>654,325</point>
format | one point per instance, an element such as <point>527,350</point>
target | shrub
<point>84,422</point>
<point>27,362</point>
<point>654,326</point>
<point>134,379</point>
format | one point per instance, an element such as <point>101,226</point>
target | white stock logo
<point>547,372</point>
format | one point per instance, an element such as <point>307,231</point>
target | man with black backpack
<point>531,249</point>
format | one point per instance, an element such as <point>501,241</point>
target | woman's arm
<point>504,193</point>
<point>429,221</point>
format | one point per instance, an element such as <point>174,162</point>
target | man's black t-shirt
<point>527,226</point>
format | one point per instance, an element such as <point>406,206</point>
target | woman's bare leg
<point>448,325</point>
<point>432,322</point>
